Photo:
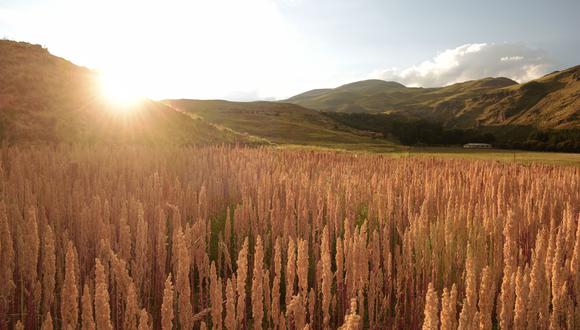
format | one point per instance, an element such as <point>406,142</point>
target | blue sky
<point>262,49</point>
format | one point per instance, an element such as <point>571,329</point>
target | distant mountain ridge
<point>550,102</point>
<point>45,98</point>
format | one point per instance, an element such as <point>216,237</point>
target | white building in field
<point>477,146</point>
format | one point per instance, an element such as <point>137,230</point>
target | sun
<point>119,91</point>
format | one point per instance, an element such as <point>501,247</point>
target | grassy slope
<point>280,123</point>
<point>46,98</point>
<point>377,96</point>
<point>552,101</point>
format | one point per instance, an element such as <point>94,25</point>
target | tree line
<point>431,133</point>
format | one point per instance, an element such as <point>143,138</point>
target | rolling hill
<point>49,99</point>
<point>550,102</point>
<point>280,123</point>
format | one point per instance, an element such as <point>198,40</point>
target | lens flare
<point>120,92</point>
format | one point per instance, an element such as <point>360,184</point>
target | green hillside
<point>280,123</point>
<point>46,98</point>
<point>551,102</point>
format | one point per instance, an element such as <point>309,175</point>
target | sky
<point>273,49</point>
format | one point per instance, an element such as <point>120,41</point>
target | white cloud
<point>512,58</point>
<point>242,95</point>
<point>474,61</point>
